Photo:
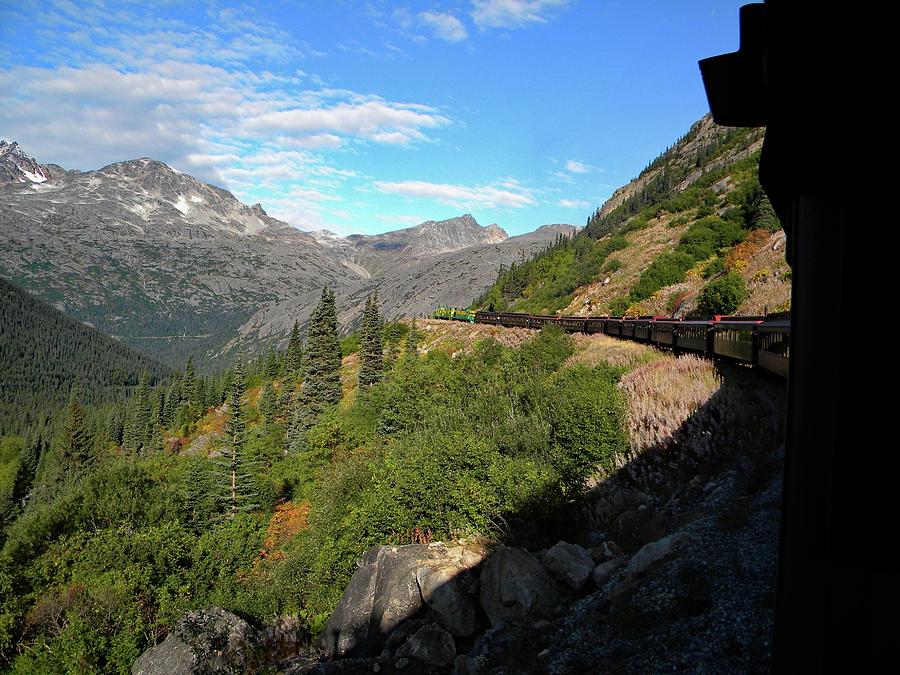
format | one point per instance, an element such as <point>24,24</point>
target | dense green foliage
<point>546,282</point>
<point>43,353</point>
<point>703,239</point>
<point>506,435</point>
<point>722,296</point>
<point>97,565</point>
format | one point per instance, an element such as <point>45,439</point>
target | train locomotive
<point>760,341</point>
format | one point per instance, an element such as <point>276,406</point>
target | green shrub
<point>722,296</point>
<point>612,265</point>
<point>717,266</point>
<point>350,344</point>
<point>588,423</point>
<point>618,306</point>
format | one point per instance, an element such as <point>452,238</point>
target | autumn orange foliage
<point>287,520</point>
<point>746,249</point>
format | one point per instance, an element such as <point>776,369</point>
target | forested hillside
<point>259,489</point>
<point>43,353</point>
<point>693,233</point>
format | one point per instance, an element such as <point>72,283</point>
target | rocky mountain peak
<point>495,234</point>
<point>17,167</point>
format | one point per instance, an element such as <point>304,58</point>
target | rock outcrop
<point>207,641</point>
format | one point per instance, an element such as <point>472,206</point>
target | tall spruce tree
<point>272,366</point>
<point>140,417</point>
<point>76,443</point>
<point>322,386</point>
<point>371,350</point>
<point>189,383</point>
<point>237,466</point>
<point>268,403</point>
<point>293,359</point>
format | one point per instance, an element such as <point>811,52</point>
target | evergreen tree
<point>173,399</point>
<point>26,470</point>
<point>293,360</point>
<point>76,442</point>
<point>188,384</point>
<point>272,366</point>
<point>140,427</point>
<point>371,351</point>
<point>322,386</point>
<point>198,502</point>
<point>200,396</point>
<point>237,466</point>
<point>115,423</point>
<point>268,403</point>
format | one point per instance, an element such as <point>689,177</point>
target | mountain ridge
<point>175,266</point>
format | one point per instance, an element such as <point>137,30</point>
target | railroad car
<point>761,341</point>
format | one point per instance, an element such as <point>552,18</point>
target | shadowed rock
<point>570,563</point>
<point>515,584</point>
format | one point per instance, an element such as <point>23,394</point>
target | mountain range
<point>175,266</point>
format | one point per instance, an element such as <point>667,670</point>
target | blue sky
<point>366,116</point>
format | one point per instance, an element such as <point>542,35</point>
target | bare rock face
<point>17,167</point>
<point>515,584</point>
<point>206,641</point>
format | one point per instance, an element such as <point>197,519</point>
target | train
<point>760,341</point>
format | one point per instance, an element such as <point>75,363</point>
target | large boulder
<point>395,583</point>
<point>205,641</point>
<point>570,563</point>
<point>449,599</point>
<point>515,584</point>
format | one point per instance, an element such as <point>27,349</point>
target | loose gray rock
<point>605,571</point>
<point>514,583</point>
<point>205,641</point>
<point>570,563</point>
<point>654,552</point>
<point>431,645</point>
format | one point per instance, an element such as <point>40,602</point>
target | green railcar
<point>454,314</point>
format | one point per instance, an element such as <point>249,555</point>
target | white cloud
<point>400,221</point>
<point>487,196</point>
<point>381,121</point>
<point>214,101</point>
<point>445,26</point>
<point>574,203</point>
<point>513,13</point>
<point>575,166</point>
